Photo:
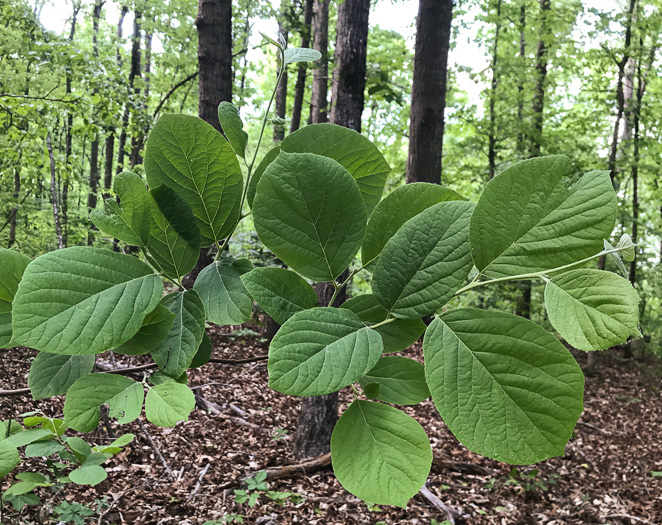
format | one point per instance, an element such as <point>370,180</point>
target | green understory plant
<point>506,388</point>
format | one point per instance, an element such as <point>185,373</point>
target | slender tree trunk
<point>14,210</point>
<point>520,85</point>
<point>54,196</point>
<point>538,103</point>
<point>428,97</point>
<point>492,140</point>
<point>319,97</point>
<point>138,140</point>
<point>94,148</point>
<point>300,86</point>
<point>281,89</point>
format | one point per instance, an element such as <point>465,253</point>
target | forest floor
<point>607,475</point>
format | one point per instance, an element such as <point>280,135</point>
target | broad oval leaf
<point>301,54</point>
<point>380,454</point>
<point>13,265</point>
<point>233,127</point>
<point>308,211</point>
<point>320,351</point>
<point>203,355</point>
<point>592,309</point>
<point>124,397</point>
<point>353,151</point>
<point>280,293</point>
<point>52,374</point>
<point>83,300</point>
<point>176,352</point>
<point>168,403</point>
<point>506,388</point>
<point>152,333</point>
<point>528,220</point>
<point>191,157</point>
<point>401,380</point>
<point>396,335</point>
<point>395,209</point>
<point>88,475</point>
<point>425,262</point>
<point>178,213</point>
<point>222,292</point>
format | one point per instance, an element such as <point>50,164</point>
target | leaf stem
<point>385,321</point>
<point>339,287</point>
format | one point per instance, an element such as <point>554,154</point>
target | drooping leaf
<point>280,293</point>
<point>380,454</point>
<point>203,354</point>
<point>350,149</point>
<point>308,211</point>
<point>52,374</point>
<point>26,437</point>
<point>616,258</point>
<point>425,262</point>
<point>626,246</point>
<point>88,475</point>
<point>13,265</point>
<point>320,351</point>
<point>506,388</point>
<point>401,380</point>
<point>124,397</point>
<point>128,220</point>
<point>191,157</point>
<point>152,333</point>
<point>233,127</point>
<point>5,330</point>
<point>301,54</point>
<point>178,213</point>
<point>83,300</point>
<point>527,220</point>
<point>396,335</point>
<point>9,458</point>
<point>592,309</point>
<point>176,352</point>
<point>395,209</point>
<point>225,298</point>
<point>168,403</point>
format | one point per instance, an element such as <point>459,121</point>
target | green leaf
<point>178,213</point>
<point>350,149</point>
<point>616,258</point>
<point>528,220</point>
<point>270,156</point>
<point>52,374</point>
<point>168,403</point>
<point>29,436</point>
<point>191,157</point>
<point>9,458</point>
<point>320,351</point>
<point>380,454</point>
<point>43,449</point>
<point>124,397</point>
<point>176,352</point>
<point>5,330</point>
<point>233,127</point>
<point>372,390</point>
<point>280,293</point>
<point>80,448</point>
<point>308,211</point>
<point>83,301</point>
<point>425,262</point>
<point>128,220</point>
<point>626,246</point>
<point>506,388</point>
<point>301,54</point>
<point>396,335</point>
<point>225,298</point>
<point>592,309</point>
<point>152,333</point>
<point>14,428</point>
<point>116,446</point>
<point>203,355</point>
<point>13,265</point>
<point>395,209</point>
<point>402,380</point>
<point>88,475</point>
<point>170,252</point>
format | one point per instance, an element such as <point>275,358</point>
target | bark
<point>319,96</point>
<point>14,210</point>
<point>138,140</point>
<point>520,86</point>
<point>135,71</point>
<point>281,89</point>
<point>302,70</point>
<point>428,98</point>
<point>54,196</point>
<point>492,140</point>
<point>94,148</point>
<point>538,103</point>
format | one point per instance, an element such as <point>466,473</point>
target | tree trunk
<point>138,140</point>
<point>318,99</point>
<point>428,97</point>
<point>281,89</point>
<point>54,196</point>
<point>300,87</point>
<point>492,140</point>
<point>14,210</point>
<point>94,148</point>
<point>538,103</point>
<point>520,86</point>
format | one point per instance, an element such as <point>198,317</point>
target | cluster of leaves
<point>506,388</point>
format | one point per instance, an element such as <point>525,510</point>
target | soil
<point>607,475</point>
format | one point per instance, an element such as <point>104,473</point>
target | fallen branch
<point>303,468</point>
<point>199,483</point>
<point>459,466</point>
<point>156,449</point>
<point>239,361</point>
<point>440,505</point>
<point>601,430</point>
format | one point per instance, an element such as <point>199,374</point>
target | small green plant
<point>257,486</point>
<point>279,433</point>
<point>230,517</point>
<point>77,513</point>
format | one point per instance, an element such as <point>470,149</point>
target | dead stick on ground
<point>305,467</point>
<point>436,502</point>
<point>156,449</point>
<point>199,483</point>
<point>601,430</point>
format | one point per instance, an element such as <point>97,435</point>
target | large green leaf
<point>52,374</point>
<point>425,262</point>
<point>506,388</point>
<point>152,333</point>
<point>233,127</point>
<point>88,475</point>
<point>592,309</point>
<point>124,397</point>
<point>13,265</point>
<point>353,151</point>
<point>528,220</point>
<point>396,335</point>
<point>128,220</point>
<point>203,355</point>
<point>5,330</point>
<point>271,155</point>
<point>176,352</point>
<point>280,293</point>
<point>191,157</point>
<point>9,458</point>
<point>308,211</point>
<point>395,209</point>
<point>178,213</point>
<point>83,300</point>
<point>321,350</point>
<point>401,380</point>
<point>225,298</point>
<point>380,454</point>
<point>168,403</point>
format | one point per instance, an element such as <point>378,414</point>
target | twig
<point>239,361</point>
<point>172,90</point>
<point>238,410</point>
<point>628,516</point>
<point>460,466</point>
<point>436,502</point>
<point>156,449</point>
<point>305,467</point>
<point>244,423</point>
<point>601,430</point>
<point>199,483</point>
